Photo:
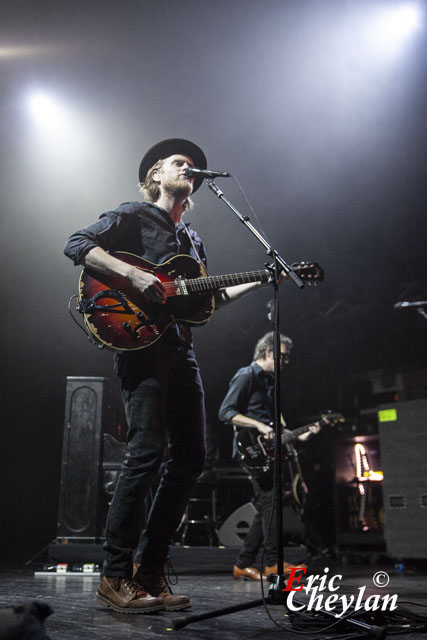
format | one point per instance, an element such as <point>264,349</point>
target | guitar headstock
<point>331,417</point>
<point>310,272</point>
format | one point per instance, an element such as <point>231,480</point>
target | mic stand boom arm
<point>278,260</point>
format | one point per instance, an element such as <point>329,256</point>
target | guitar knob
<point>126,326</point>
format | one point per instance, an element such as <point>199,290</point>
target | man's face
<point>171,176</point>
<point>285,353</point>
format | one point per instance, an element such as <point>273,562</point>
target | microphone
<point>205,173</point>
<point>403,305</point>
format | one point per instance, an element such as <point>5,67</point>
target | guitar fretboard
<point>212,283</point>
<point>295,433</point>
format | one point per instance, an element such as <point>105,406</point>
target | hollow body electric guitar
<point>121,318</point>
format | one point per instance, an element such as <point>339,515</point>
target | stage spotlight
<point>46,111</point>
<point>56,127</point>
<point>391,26</point>
<point>402,20</point>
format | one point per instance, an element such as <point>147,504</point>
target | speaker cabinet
<point>81,500</point>
<point>403,438</point>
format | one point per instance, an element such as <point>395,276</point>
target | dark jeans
<point>258,531</point>
<point>164,402</point>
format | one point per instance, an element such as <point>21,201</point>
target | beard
<point>178,188</point>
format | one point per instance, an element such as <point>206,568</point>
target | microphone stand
<point>418,306</point>
<point>276,595</point>
<point>279,264</point>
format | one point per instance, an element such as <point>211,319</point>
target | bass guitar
<point>119,317</point>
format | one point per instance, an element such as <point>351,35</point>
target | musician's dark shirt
<point>144,229</point>
<point>251,394</point>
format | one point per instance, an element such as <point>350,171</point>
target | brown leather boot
<point>126,596</point>
<point>249,573</point>
<point>155,582</point>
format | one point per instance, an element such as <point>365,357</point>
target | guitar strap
<point>194,246</point>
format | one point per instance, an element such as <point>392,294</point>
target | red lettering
<point>293,577</point>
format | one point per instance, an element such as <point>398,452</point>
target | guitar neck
<point>213,283</point>
<point>325,419</point>
<point>295,433</point>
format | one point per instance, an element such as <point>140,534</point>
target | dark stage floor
<point>77,616</point>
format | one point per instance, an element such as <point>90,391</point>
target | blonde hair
<point>151,190</point>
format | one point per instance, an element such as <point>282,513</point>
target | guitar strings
<point>204,283</point>
<point>234,278</point>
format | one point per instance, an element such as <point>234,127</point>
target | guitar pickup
<point>182,287</point>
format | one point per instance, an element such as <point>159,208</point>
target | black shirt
<point>251,394</point>
<point>142,228</point>
<point>146,230</point>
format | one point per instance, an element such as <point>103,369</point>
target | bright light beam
<point>46,111</point>
<point>392,26</point>
<point>402,21</point>
<point>59,132</point>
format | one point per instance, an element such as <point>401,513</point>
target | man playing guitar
<point>249,404</point>
<point>161,385</point>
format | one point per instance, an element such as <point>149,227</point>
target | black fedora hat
<point>171,147</point>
